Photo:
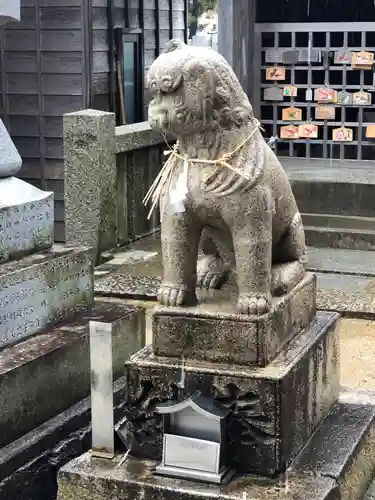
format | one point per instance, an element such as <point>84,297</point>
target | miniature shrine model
<point>238,397</point>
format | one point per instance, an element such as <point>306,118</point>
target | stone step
<point>341,238</point>
<point>343,446</point>
<point>339,222</point>
<point>42,289</point>
<point>47,373</point>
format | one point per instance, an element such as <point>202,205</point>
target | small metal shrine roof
<point>205,406</point>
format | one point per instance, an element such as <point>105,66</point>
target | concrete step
<point>340,238</point>
<point>42,289</point>
<point>49,372</point>
<point>343,447</point>
<point>339,222</point>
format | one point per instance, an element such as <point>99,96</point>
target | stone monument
<point>40,284</point>
<point>263,360</point>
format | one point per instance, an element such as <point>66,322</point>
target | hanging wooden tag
<point>325,112</point>
<point>362,98</point>
<point>276,73</point>
<point>342,134</point>
<point>344,98</point>
<point>309,95</point>
<point>290,57</point>
<point>370,131</point>
<point>274,56</point>
<point>325,95</point>
<point>343,57</point>
<point>309,55</point>
<point>308,131</point>
<point>292,114</point>
<point>273,93</point>
<point>290,91</point>
<point>362,60</point>
<point>289,132</point>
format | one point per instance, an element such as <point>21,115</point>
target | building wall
<point>168,23</point>
<point>55,61</point>
<point>42,77</point>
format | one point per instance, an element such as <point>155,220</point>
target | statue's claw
<point>255,304</point>
<point>211,272</point>
<point>176,295</point>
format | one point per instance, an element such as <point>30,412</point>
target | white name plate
<point>191,453</point>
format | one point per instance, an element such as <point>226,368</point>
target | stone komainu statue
<point>223,190</point>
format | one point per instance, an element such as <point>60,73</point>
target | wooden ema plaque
<point>325,112</point>
<point>344,98</point>
<point>325,95</point>
<point>273,93</point>
<point>362,98</point>
<point>343,57</point>
<point>292,114</point>
<point>342,134</point>
<point>308,131</point>
<point>370,131</point>
<point>289,132</point>
<point>275,73</point>
<point>290,91</point>
<point>362,60</point>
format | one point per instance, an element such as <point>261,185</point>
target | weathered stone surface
<point>343,447</point>
<point>42,289</point>
<point>214,331</point>
<point>10,160</point>
<point>90,179</point>
<point>26,219</point>
<point>29,465</point>
<point>92,479</point>
<point>47,373</point>
<point>276,408</point>
<point>224,180</point>
<point>370,495</point>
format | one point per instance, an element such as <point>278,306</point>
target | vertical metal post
<point>103,445</point>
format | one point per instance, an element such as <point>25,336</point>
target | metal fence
<point>272,40</point>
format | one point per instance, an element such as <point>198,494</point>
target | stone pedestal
<point>276,408</point>
<point>213,331</point>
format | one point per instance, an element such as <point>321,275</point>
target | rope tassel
<point>166,173</point>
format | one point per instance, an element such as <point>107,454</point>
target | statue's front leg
<point>252,240</point>
<point>180,234</point>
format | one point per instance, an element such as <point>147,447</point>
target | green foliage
<point>197,8</point>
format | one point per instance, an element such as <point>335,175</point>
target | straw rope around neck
<point>165,175</point>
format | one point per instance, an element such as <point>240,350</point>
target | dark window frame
<point>123,35</point>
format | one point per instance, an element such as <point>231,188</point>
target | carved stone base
<point>275,409</point>
<point>213,331</point>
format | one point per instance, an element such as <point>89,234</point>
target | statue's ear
<point>174,44</point>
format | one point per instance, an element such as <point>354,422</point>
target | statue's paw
<point>256,304</point>
<point>211,272</point>
<point>176,295</point>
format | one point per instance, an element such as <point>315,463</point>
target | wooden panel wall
<point>43,77</point>
<point>56,60</point>
<point>161,21</point>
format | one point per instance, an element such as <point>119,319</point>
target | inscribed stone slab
<point>43,289</point>
<point>26,219</point>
